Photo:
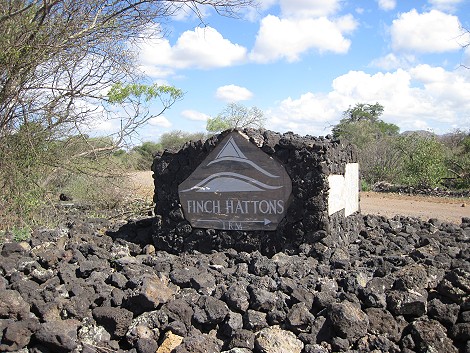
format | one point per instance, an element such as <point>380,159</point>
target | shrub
<point>423,160</point>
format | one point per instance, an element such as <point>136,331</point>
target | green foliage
<point>458,159</point>
<point>365,186</point>
<point>423,160</point>
<point>174,140</point>
<point>380,160</point>
<point>361,125</point>
<point>25,158</point>
<point>119,92</point>
<point>142,156</point>
<point>21,234</point>
<point>217,124</point>
<point>375,140</point>
<point>236,116</point>
<point>56,60</point>
<point>102,192</point>
<point>362,111</point>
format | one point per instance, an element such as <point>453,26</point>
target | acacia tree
<point>58,56</point>
<point>361,124</point>
<point>58,60</point>
<point>375,139</point>
<point>235,116</point>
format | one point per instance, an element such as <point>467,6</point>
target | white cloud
<point>450,90</point>
<point>429,32</point>
<point>387,5</point>
<point>284,38</point>
<point>202,48</point>
<point>419,98</point>
<point>309,8</point>
<point>233,93</point>
<point>160,121</point>
<point>194,115</point>
<point>445,5</point>
<point>392,61</point>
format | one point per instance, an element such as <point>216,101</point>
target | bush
<point>379,160</point>
<point>423,160</point>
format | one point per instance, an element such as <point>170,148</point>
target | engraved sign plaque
<point>237,187</point>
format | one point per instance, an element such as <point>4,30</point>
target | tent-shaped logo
<point>237,187</point>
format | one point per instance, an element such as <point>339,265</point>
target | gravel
<point>402,286</point>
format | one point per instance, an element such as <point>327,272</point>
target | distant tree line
<point>419,159</point>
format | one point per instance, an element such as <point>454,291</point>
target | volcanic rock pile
<point>402,286</point>
<point>308,160</point>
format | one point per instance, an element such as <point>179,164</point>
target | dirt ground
<point>389,205</point>
<point>424,207</point>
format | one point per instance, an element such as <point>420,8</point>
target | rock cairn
<point>307,160</point>
<point>402,285</point>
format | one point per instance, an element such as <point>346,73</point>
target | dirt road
<point>423,207</point>
<point>389,205</point>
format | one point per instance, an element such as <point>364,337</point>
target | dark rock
<point>382,323</point>
<point>254,320</point>
<point>58,336</point>
<point>198,343</point>
<point>262,266</point>
<point>300,318</point>
<point>315,348</point>
<point>117,280</point>
<point>204,283</point>
<point>115,320</point>
<point>407,303</point>
<point>179,310</point>
<point>431,336</point>
<point>233,322</point>
<point>12,249</point>
<point>373,294</point>
<point>446,314</point>
<point>460,332</point>
<point>340,259</point>
<point>347,320</point>
<point>182,276</point>
<point>464,316</point>
<point>210,311</point>
<point>12,305</point>
<point>17,335</point>
<point>146,345</point>
<point>242,338</point>
<point>237,297</point>
<point>411,277</point>
<point>339,344</point>
<point>372,343</point>
<point>150,293</point>
<point>263,300</point>
<point>456,285</point>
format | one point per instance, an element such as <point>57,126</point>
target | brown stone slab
<point>237,187</point>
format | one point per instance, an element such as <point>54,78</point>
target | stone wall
<point>315,221</point>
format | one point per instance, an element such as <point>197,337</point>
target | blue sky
<point>303,62</point>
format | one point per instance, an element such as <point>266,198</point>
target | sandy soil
<point>423,207</point>
<point>141,184</point>
<point>389,205</point>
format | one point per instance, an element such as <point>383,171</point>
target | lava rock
<point>115,320</point>
<point>58,336</point>
<point>348,320</point>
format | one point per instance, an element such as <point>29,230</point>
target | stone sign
<point>237,187</point>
